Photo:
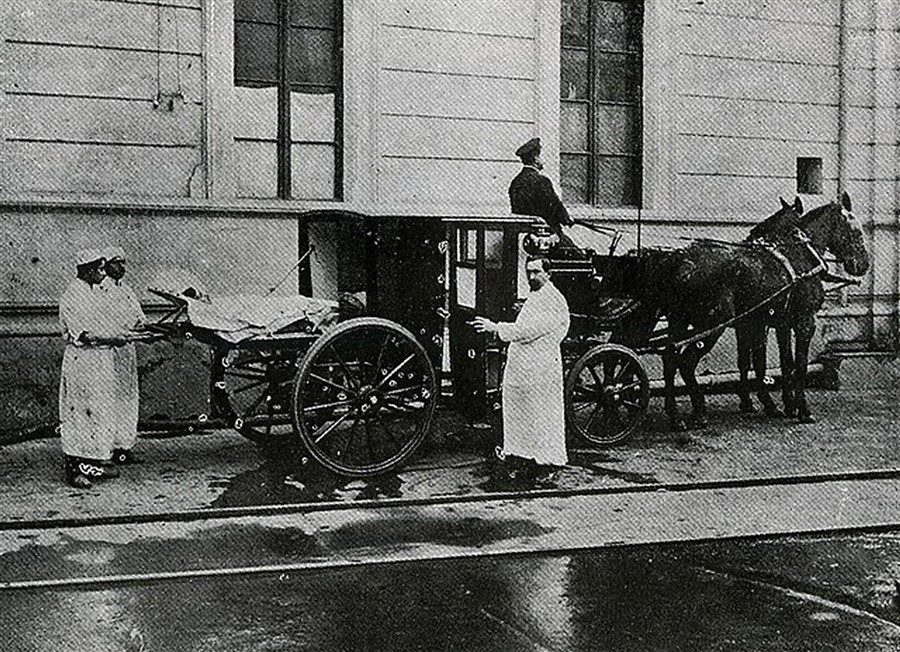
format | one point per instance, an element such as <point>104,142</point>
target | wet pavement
<point>855,431</point>
<point>648,558</point>
<point>674,598</point>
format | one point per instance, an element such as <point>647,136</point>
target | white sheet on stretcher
<point>241,317</point>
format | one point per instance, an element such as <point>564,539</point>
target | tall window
<point>287,77</point>
<point>600,98</point>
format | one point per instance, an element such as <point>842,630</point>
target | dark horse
<point>832,228</point>
<point>700,289</point>
<point>709,285</point>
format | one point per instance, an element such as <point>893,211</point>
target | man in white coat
<point>533,410</point>
<point>87,384</point>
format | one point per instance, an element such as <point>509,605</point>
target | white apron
<point>124,314</point>
<point>533,408</point>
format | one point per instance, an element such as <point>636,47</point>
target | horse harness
<point>819,266</point>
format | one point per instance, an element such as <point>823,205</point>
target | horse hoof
<point>790,412</point>
<point>748,408</point>
<point>806,418</point>
<point>699,422</point>
<point>773,412</point>
<point>678,425</point>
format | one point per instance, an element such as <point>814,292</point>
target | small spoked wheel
<point>607,393</point>
<point>364,397</point>
<point>258,387</point>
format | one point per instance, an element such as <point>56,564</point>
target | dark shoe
<point>124,456</point>
<point>76,479</point>
<point>95,470</point>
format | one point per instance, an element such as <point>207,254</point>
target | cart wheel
<point>258,388</point>
<point>607,393</point>
<point>364,397</point>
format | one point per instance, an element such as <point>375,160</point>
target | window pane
<point>313,12</point>
<point>263,10</point>
<point>573,175</point>
<point>312,171</point>
<point>257,168</point>
<point>255,52</point>
<point>312,117</point>
<point>575,22</point>
<point>617,78</point>
<point>256,114</point>
<point>618,26</point>
<point>573,78</point>
<point>617,130</point>
<point>310,57</point>
<point>573,128</point>
<point>617,181</point>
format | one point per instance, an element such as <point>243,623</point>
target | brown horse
<point>832,228</point>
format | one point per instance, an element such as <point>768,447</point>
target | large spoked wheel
<point>258,388</point>
<point>364,397</point>
<point>607,393</point>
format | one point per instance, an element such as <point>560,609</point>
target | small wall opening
<point>809,176</point>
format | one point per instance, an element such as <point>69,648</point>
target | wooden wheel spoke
<point>351,377</point>
<point>323,432</point>
<point>374,379</point>
<point>246,374</point>
<point>256,402</point>
<point>622,373</point>
<point>390,434</point>
<point>249,386</point>
<point>369,448</point>
<point>585,393</point>
<point>634,385</point>
<point>632,405</point>
<point>596,376</point>
<point>396,370</point>
<point>331,383</point>
<point>583,406</point>
<point>328,406</point>
<point>401,390</point>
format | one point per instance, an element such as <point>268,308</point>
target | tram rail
<point>186,516</point>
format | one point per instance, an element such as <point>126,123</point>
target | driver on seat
<point>531,193</point>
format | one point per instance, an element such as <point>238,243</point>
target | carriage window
<point>809,176</point>
<point>287,78</point>
<point>600,101</point>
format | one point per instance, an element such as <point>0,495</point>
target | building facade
<point>195,132</point>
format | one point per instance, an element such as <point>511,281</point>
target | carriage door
<point>483,270</point>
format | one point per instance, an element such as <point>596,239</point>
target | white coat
<point>87,384</point>
<point>533,408</point>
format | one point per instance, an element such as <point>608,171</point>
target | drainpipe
<point>843,101</point>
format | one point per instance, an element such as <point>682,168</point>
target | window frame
<point>593,105</point>
<point>285,87</point>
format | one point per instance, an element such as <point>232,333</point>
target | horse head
<point>778,225</point>
<point>834,227</point>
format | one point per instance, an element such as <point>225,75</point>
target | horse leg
<point>786,358</point>
<point>805,333</point>
<point>760,335</point>
<point>670,365</point>
<point>743,351</point>
<point>687,365</point>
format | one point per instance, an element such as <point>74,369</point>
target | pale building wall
<point>437,96</point>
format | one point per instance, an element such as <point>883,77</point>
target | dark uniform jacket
<point>531,193</point>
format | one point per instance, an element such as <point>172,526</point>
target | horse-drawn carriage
<point>358,393</point>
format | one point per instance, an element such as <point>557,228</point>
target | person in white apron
<point>87,384</point>
<point>533,408</point>
<point>126,314</point>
